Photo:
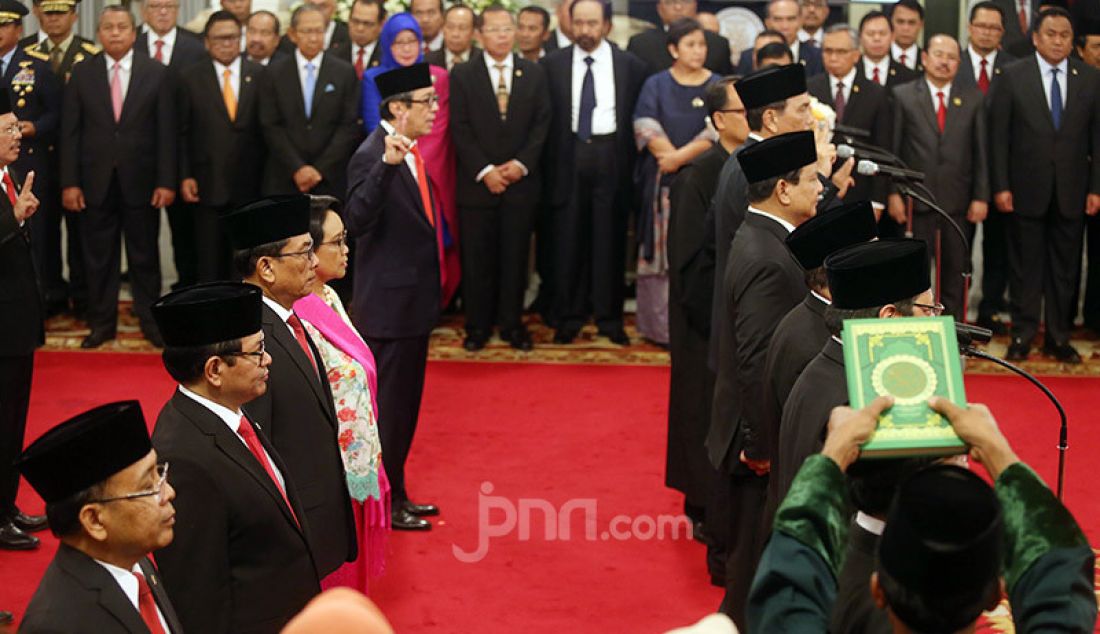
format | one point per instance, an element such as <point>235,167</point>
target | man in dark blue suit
<point>784,16</point>
<point>393,214</point>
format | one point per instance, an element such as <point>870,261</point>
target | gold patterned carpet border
<point>65,333</point>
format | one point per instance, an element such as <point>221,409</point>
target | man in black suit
<point>500,115</point>
<point>22,323</point>
<point>875,38</point>
<point>590,162</point>
<point>429,15</point>
<point>532,32</point>
<point>940,129</point>
<point>237,511</point>
<point>393,214</point>
<point>762,282</point>
<point>178,49</point>
<point>308,108</point>
<point>109,502</point>
<point>221,143</point>
<point>458,38</point>
<point>118,167</point>
<point>784,16</point>
<point>1045,180</point>
<point>364,26</point>
<point>1019,16</point>
<point>273,250</point>
<point>907,21</point>
<point>262,38</point>
<point>651,45</point>
<point>857,101</point>
<point>336,37</point>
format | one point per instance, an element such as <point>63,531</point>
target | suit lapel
<point>924,101</point>
<point>102,78</point>
<point>322,80</point>
<point>138,85</point>
<point>152,577</point>
<point>95,577</point>
<point>621,96</point>
<point>1038,93</point>
<point>281,334</point>
<point>213,86</point>
<point>247,91</point>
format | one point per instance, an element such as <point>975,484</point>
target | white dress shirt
<point>946,90</point>
<point>563,41</point>
<point>976,62</point>
<point>437,42</point>
<point>283,313</point>
<point>760,212</point>
<point>603,72</point>
<point>1046,75</point>
<point>169,40</point>
<point>232,420</point>
<point>883,66</point>
<point>870,524</point>
<point>329,30</point>
<point>912,55</point>
<point>125,66</point>
<point>821,298</point>
<point>302,61</point>
<point>42,37</point>
<point>129,584</point>
<point>794,46</point>
<point>234,76</point>
<point>410,160</point>
<point>368,50</point>
<point>817,36</point>
<point>847,80</point>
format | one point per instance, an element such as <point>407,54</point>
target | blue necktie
<point>588,103</point>
<point>1055,99</point>
<point>311,84</point>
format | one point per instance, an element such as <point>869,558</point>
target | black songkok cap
<point>770,85</point>
<point>85,450</point>
<point>209,313</point>
<point>943,541</point>
<point>878,273</point>
<point>403,79</point>
<point>777,156</point>
<point>831,230</point>
<point>268,220</point>
<point>5,102</point>
<point>11,11</point>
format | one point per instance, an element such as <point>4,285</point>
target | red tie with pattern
<point>159,54</point>
<point>147,605</point>
<point>902,58</point>
<point>359,63</point>
<point>9,185</point>
<point>1023,16</point>
<point>941,111</point>
<point>300,335</point>
<point>248,433</point>
<point>875,76</point>
<point>983,78</point>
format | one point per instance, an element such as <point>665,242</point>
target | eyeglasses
<point>297,254</point>
<point>427,101</point>
<point>493,30</point>
<point>339,241</point>
<point>407,43</point>
<point>158,490</point>
<point>13,130</point>
<point>257,354</point>
<point>224,39</point>
<point>935,309</point>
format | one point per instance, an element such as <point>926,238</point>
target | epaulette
<point>37,54</point>
<point>92,49</point>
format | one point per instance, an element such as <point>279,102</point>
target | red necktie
<point>983,78</point>
<point>901,58</point>
<point>10,186</point>
<point>248,433</point>
<point>422,183</point>
<point>300,335</point>
<point>148,606</point>
<point>159,55</point>
<point>875,76</point>
<point>941,111</point>
<point>838,102</point>
<point>1023,16</point>
<point>359,64</point>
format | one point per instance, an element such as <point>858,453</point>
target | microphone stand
<point>1063,431</point>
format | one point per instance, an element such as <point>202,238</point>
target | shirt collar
<point>602,52</point>
<point>7,58</point>
<point>911,52</point>
<point>804,35</point>
<point>870,524</point>
<point>563,42</point>
<point>64,45</point>
<point>124,63</point>
<point>883,63</point>
<point>491,63</point>
<point>283,313</point>
<point>168,38</point>
<point>821,298</point>
<point>125,579</point>
<point>234,67</point>
<point>231,418</point>
<point>302,61</point>
<point>1045,66</point>
<point>755,137</point>
<point>932,88</point>
<point>976,58</point>
<point>848,79</point>
<point>786,225</point>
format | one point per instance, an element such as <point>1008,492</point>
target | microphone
<point>871,168</point>
<point>969,334</point>
<point>845,152</point>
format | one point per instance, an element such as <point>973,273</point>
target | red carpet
<point>547,434</point>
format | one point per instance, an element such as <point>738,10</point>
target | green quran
<point>911,359</point>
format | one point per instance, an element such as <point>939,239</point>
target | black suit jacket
<point>896,74</point>
<point>761,282</point>
<point>140,147</point>
<point>239,561</point>
<point>79,50</point>
<point>630,73</point>
<point>20,307</point>
<point>1032,159</point>
<point>481,138</point>
<point>955,163</point>
<point>1015,38</point>
<point>35,94</point>
<point>551,44</point>
<point>338,45</point>
<point>651,46</point>
<point>78,596</point>
<point>397,254</point>
<point>868,108</point>
<point>347,54</point>
<point>966,78</point>
<point>439,58</point>
<point>299,417</point>
<point>808,56</point>
<point>225,157</point>
<point>325,140</point>
<point>188,49</point>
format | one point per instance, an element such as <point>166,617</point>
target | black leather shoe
<point>519,339</point>
<point>96,339</point>
<point>6,617</point>
<point>29,523</point>
<point>993,323</point>
<point>419,510</point>
<point>1018,350</point>
<point>13,538</point>
<point>565,335</point>
<point>617,336</point>
<point>1063,352</point>
<point>402,520</point>
<point>473,343</point>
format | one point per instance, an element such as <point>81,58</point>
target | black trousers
<point>544,262</point>
<point>1091,310</point>
<point>185,248</point>
<point>401,364</point>
<point>213,253</point>
<point>46,248</point>
<point>954,255</point>
<point>995,267</point>
<point>591,240</point>
<point>15,398</point>
<point>495,247</point>
<point>1045,255</point>
<point>747,496</point>
<point>103,228</point>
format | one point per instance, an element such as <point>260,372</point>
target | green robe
<point>1048,562</point>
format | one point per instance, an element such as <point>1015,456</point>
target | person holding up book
<point>930,576</point>
<point>886,278</point>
